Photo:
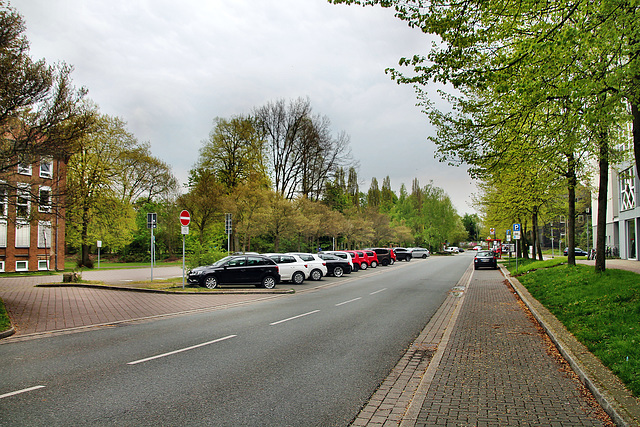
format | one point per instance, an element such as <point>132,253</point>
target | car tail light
<point>324,264</point>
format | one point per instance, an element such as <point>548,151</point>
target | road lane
<point>317,370</point>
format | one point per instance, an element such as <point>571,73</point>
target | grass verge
<point>601,310</point>
<point>5,322</point>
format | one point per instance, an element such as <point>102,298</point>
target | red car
<point>373,258</point>
<point>359,259</point>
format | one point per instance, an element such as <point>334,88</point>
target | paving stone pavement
<point>497,369</point>
<point>36,310</point>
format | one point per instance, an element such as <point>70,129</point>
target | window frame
<point>23,191</point>
<point>45,208</point>
<point>46,161</point>
<point>25,268</point>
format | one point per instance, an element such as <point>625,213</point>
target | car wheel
<point>393,261</point>
<point>316,275</point>
<point>363,265</point>
<point>298,277</point>
<point>408,258</point>
<point>374,264</point>
<point>268,282</point>
<point>385,263</point>
<point>338,272</point>
<point>356,267</point>
<point>211,282</point>
<point>424,256</point>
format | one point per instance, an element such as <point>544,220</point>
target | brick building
<point>32,223</point>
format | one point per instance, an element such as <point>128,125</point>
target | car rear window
<point>486,253</point>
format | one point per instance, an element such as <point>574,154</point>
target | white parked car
<point>344,255</point>
<point>292,267</point>
<point>419,252</point>
<point>317,267</point>
<point>451,250</point>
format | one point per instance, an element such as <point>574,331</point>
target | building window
<point>46,167</point>
<point>44,234</point>
<point>1,266</point>
<point>23,201</point>
<point>4,200</point>
<point>24,168</point>
<point>3,233</point>
<point>43,264</point>
<point>22,265</point>
<point>23,234</point>
<point>627,190</point>
<point>44,199</point>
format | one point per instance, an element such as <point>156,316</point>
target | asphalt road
<point>312,358</point>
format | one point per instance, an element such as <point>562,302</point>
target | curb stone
<point>609,391</point>
<point>161,291</point>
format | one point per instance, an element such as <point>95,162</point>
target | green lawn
<point>5,323</point>
<point>601,310</point>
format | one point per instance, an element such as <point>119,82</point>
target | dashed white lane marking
<point>294,317</point>
<point>24,390</point>
<point>181,350</point>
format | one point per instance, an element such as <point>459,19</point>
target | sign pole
<point>185,219</point>
<point>183,262</point>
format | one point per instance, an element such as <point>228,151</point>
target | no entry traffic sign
<point>185,218</point>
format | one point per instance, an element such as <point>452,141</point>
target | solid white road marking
<point>294,317</point>
<point>181,350</point>
<point>347,302</point>
<point>25,390</point>
<point>381,290</point>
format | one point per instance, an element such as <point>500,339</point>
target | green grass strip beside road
<point>601,310</point>
<point>5,323</point>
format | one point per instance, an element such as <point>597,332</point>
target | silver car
<point>419,252</point>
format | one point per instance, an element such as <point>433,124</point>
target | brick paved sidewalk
<point>499,368</point>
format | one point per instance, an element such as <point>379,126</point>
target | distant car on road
<point>485,259</point>
<point>577,251</point>
<point>256,270</point>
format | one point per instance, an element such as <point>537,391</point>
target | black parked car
<point>402,254</point>
<point>256,270</point>
<point>335,266</point>
<point>384,257</point>
<point>485,259</point>
<point>577,251</point>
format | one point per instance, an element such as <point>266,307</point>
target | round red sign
<point>185,218</point>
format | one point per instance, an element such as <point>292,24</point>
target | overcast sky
<point>169,68</point>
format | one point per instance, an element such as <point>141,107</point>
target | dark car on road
<point>335,266</point>
<point>577,251</point>
<point>402,254</point>
<point>257,270</point>
<point>485,259</point>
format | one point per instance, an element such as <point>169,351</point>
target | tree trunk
<point>601,230</point>
<point>537,244</point>
<point>571,215</point>
<point>84,238</point>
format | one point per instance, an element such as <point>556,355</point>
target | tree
<point>142,175</point>
<point>584,53</point>
<point>234,152</point>
<point>373,195</point>
<point>302,154</point>
<point>283,127</point>
<point>41,113</point>
<point>92,200</point>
